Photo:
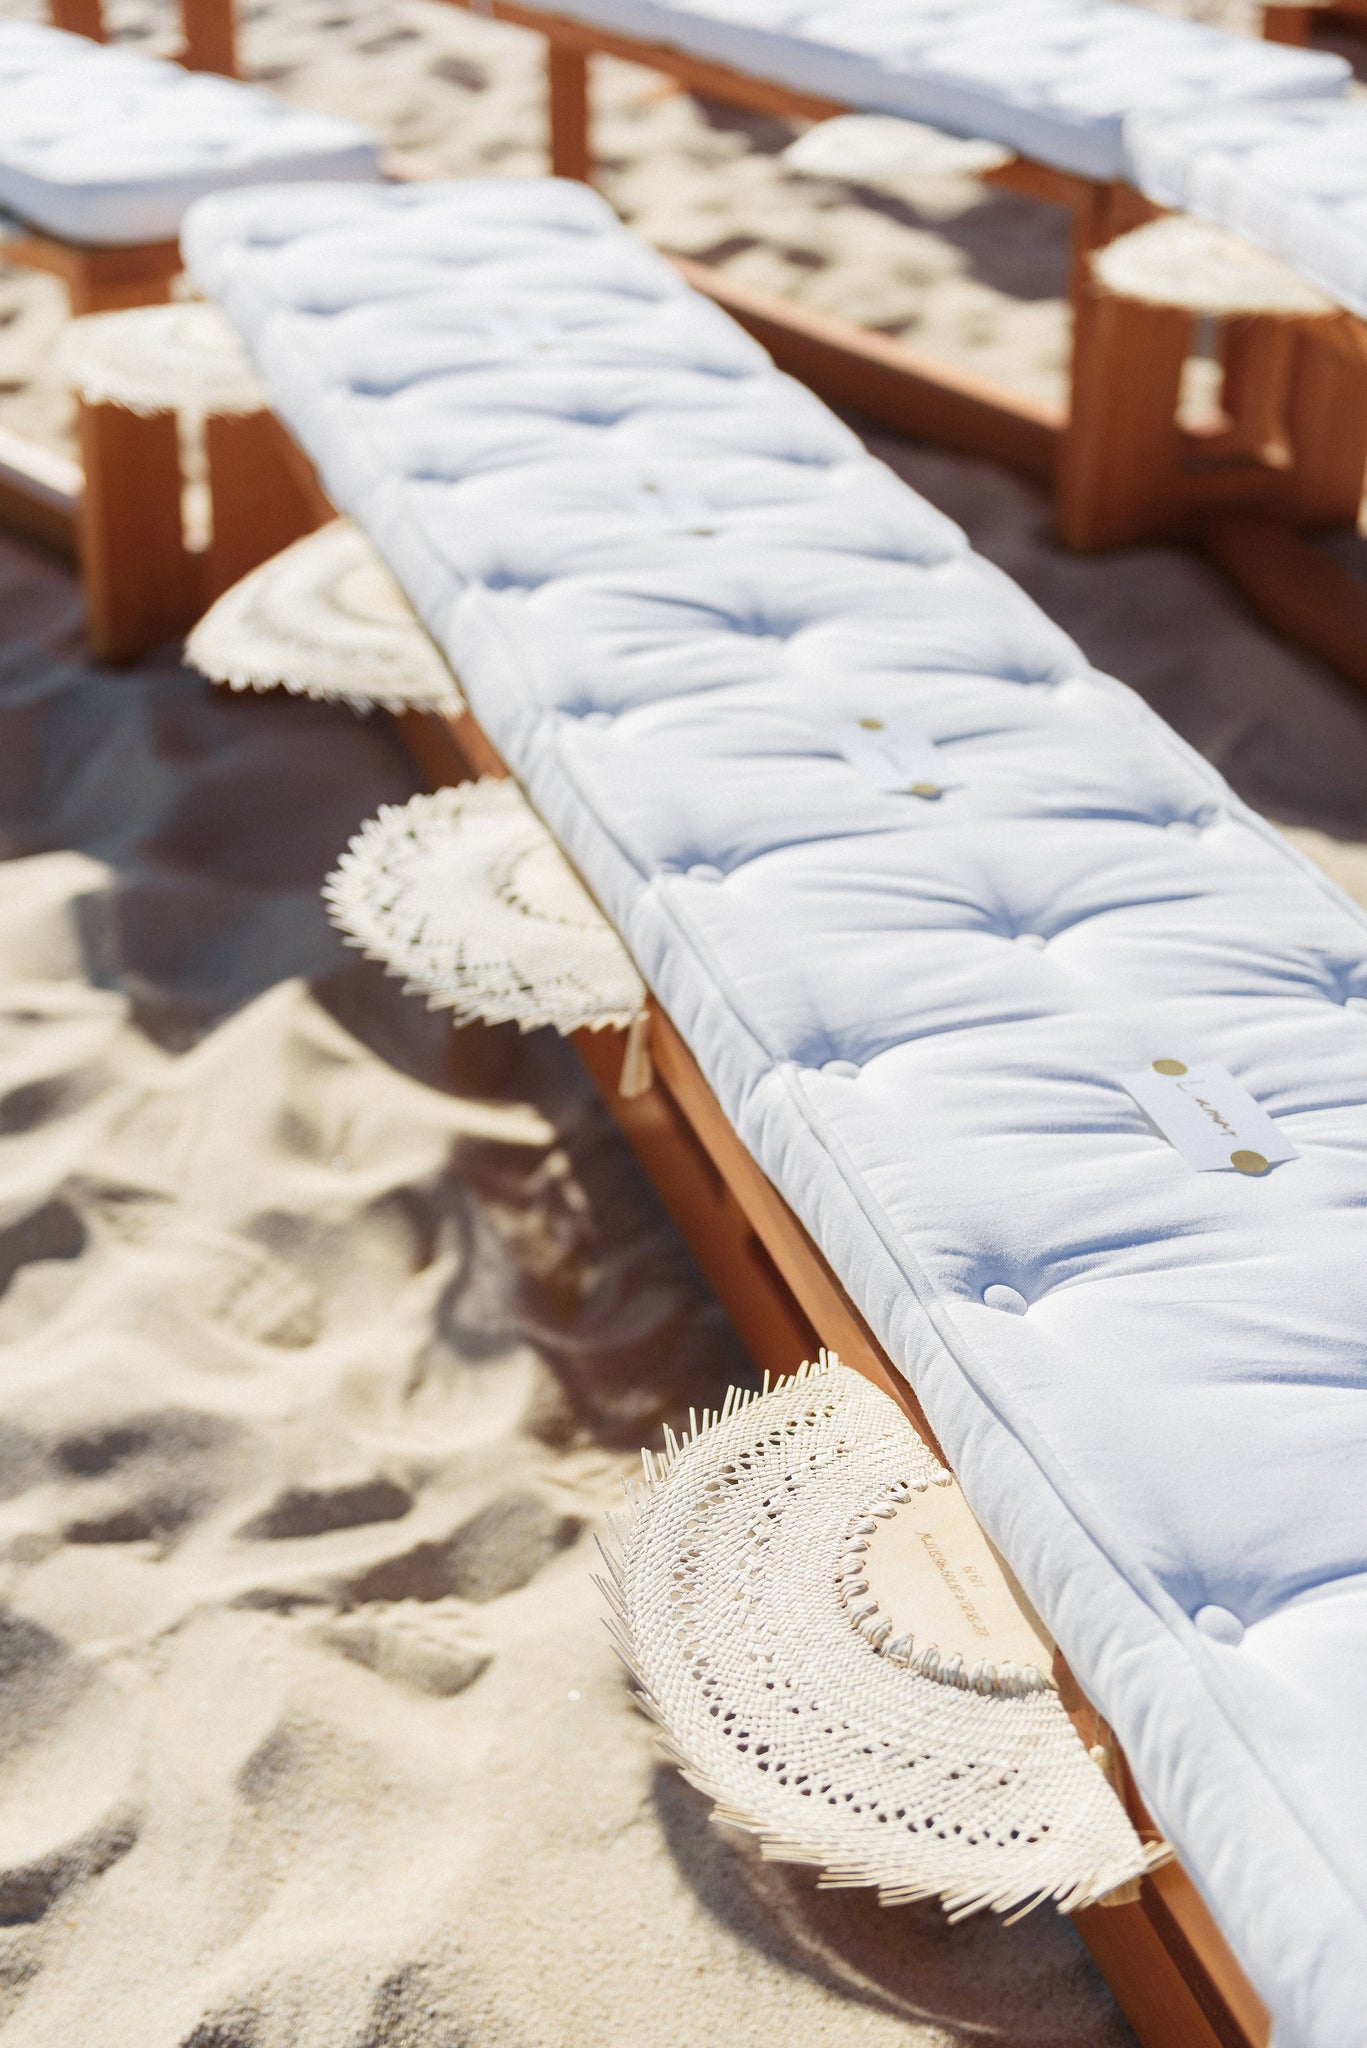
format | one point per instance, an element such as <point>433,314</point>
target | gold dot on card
<point>1169,1067</point>
<point>929,789</point>
<point>1248,1162</point>
<point>872,724</point>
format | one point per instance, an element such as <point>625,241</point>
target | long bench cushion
<point>1050,78</point>
<point>1291,178</point>
<point>669,579</point>
<point>100,145</point>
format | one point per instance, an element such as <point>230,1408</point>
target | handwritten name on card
<point>1209,1117</point>
<point>894,757</point>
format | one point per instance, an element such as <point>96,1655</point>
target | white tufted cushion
<point>100,145</point>
<point>667,577</point>
<point>1050,78</point>
<point>1292,179</point>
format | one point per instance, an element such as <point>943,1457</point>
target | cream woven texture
<point>180,358</point>
<point>467,896</point>
<point>324,618</point>
<point>1182,262</point>
<point>872,146</point>
<point>730,1617</point>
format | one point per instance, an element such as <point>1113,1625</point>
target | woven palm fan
<point>836,1657</point>
<point>465,894</point>
<point>324,618</point>
<point>863,148</point>
<point>180,358</point>
<point>1192,264</point>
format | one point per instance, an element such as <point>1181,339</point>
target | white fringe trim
<point>183,357</point>
<point>324,619</point>
<point>724,1608</point>
<point>1191,264</point>
<point>464,894</point>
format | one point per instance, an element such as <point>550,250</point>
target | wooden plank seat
<point>101,151</point>
<point>909,975</point>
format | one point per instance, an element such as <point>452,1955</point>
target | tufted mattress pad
<point>100,145</point>
<point>1052,79</point>
<point>1291,178</point>
<point>669,579</point>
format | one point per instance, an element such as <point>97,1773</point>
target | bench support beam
<point>894,386</point>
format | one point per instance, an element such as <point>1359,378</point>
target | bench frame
<point>1168,1966</point>
<point>1113,451</point>
<point>40,492</point>
<point>1122,471</point>
<point>208,30</point>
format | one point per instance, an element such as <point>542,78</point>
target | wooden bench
<point>40,492</point>
<point>1170,1969</point>
<point>1123,470</point>
<point>1167,1964</point>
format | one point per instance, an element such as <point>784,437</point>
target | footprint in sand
<point>228,1279</point>
<point>155,1473</point>
<point>36,1253</point>
<point>306,1511</point>
<point>501,1549</point>
<point>33,1103</point>
<point>429,1647</point>
<point>66,1759</point>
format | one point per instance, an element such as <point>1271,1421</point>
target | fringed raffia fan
<point>182,358</point>
<point>466,895</point>
<point>324,618</point>
<point>835,1656</point>
<point>863,148</point>
<point>1192,264</point>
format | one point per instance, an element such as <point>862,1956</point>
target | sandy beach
<point>327,1335</point>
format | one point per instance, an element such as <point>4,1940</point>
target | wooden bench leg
<point>141,585</point>
<point>1121,449</point>
<point>78,17</point>
<point>567,84</point>
<point>1256,366</point>
<point>1326,422</point>
<point>260,501</point>
<point>209,36</point>
<point>1289,24</point>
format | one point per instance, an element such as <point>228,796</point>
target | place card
<point>893,756</point>
<point>678,511</point>
<point>1209,1117</point>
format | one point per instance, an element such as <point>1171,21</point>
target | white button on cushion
<point>1219,1624</point>
<point>703,871</point>
<point>1033,942</point>
<point>1008,1298</point>
<point>841,1070</point>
